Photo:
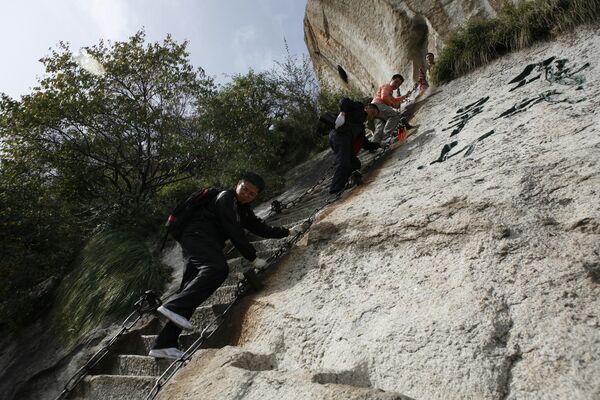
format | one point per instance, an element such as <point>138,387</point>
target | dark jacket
<point>225,218</point>
<point>354,119</point>
<point>354,124</point>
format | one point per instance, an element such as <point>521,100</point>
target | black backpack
<point>181,214</point>
<point>326,123</point>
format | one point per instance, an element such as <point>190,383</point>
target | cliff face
<point>370,41</point>
<point>475,277</point>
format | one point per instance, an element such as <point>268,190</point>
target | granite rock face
<point>475,277</point>
<point>232,373</point>
<point>367,42</point>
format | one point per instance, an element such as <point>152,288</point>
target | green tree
<point>265,121</point>
<point>239,119</point>
<point>299,90</point>
<point>40,238</point>
<point>114,140</point>
<point>83,151</point>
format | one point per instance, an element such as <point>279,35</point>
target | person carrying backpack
<point>221,216</point>
<point>346,140</point>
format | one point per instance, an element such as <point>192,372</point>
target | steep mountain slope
<point>365,43</point>
<point>477,276</point>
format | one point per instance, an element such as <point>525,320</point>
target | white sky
<point>226,36</point>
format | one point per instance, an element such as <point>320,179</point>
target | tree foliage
<point>85,154</point>
<point>114,140</point>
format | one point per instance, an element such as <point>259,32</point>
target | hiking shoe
<point>175,318</point>
<point>356,178</point>
<point>333,196</point>
<point>172,353</point>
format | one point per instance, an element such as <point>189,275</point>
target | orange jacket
<point>384,95</point>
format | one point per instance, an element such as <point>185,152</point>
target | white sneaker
<point>171,352</point>
<point>175,318</point>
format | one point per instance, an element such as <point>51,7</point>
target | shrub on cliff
<point>517,26</point>
<point>110,274</point>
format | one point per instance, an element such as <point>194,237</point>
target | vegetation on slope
<point>109,276</point>
<point>517,27</point>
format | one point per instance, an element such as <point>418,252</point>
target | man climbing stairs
<point>128,372</point>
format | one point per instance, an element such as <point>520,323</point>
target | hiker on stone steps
<point>389,118</point>
<point>430,60</point>
<point>425,76</point>
<point>347,139</point>
<point>202,241</point>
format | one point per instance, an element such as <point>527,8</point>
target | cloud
<point>113,18</point>
<point>249,49</point>
<point>244,35</point>
<point>221,41</point>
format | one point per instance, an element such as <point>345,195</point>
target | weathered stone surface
<point>231,373</point>
<point>473,278</point>
<point>115,387</point>
<point>371,41</point>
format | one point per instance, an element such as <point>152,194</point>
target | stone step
<point>140,344</point>
<point>114,387</point>
<point>203,316</point>
<point>222,295</point>
<point>133,365</point>
<point>147,343</point>
<point>185,341</point>
<point>204,313</point>
<point>130,342</point>
<point>233,278</point>
<point>268,245</point>
<point>300,214</point>
<point>310,201</point>
<point>237,265</point>
<point>296,217</point>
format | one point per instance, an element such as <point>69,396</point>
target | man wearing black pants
<point>348,138</point>
<point>202,242</point>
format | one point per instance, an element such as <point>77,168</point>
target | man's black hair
<point>398,76</point>
<point>256,180</point>
<point>429,54</point>
<point>374,106</point>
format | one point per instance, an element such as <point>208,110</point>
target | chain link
<point>277,207</point>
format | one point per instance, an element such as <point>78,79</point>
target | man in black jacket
<point>202,241</point>
<point>348,138</point>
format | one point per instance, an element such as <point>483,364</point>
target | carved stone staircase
<point>127,372</point>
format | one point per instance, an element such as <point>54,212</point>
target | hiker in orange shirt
<point>389,117</point>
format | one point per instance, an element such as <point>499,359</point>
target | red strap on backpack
<point>401,134</point>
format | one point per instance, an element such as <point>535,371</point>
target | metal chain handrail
<point>277,207</point>
<point>127,325</point>
<point>149,301</point>
<point>241,291</point>
<point>243,287</point>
